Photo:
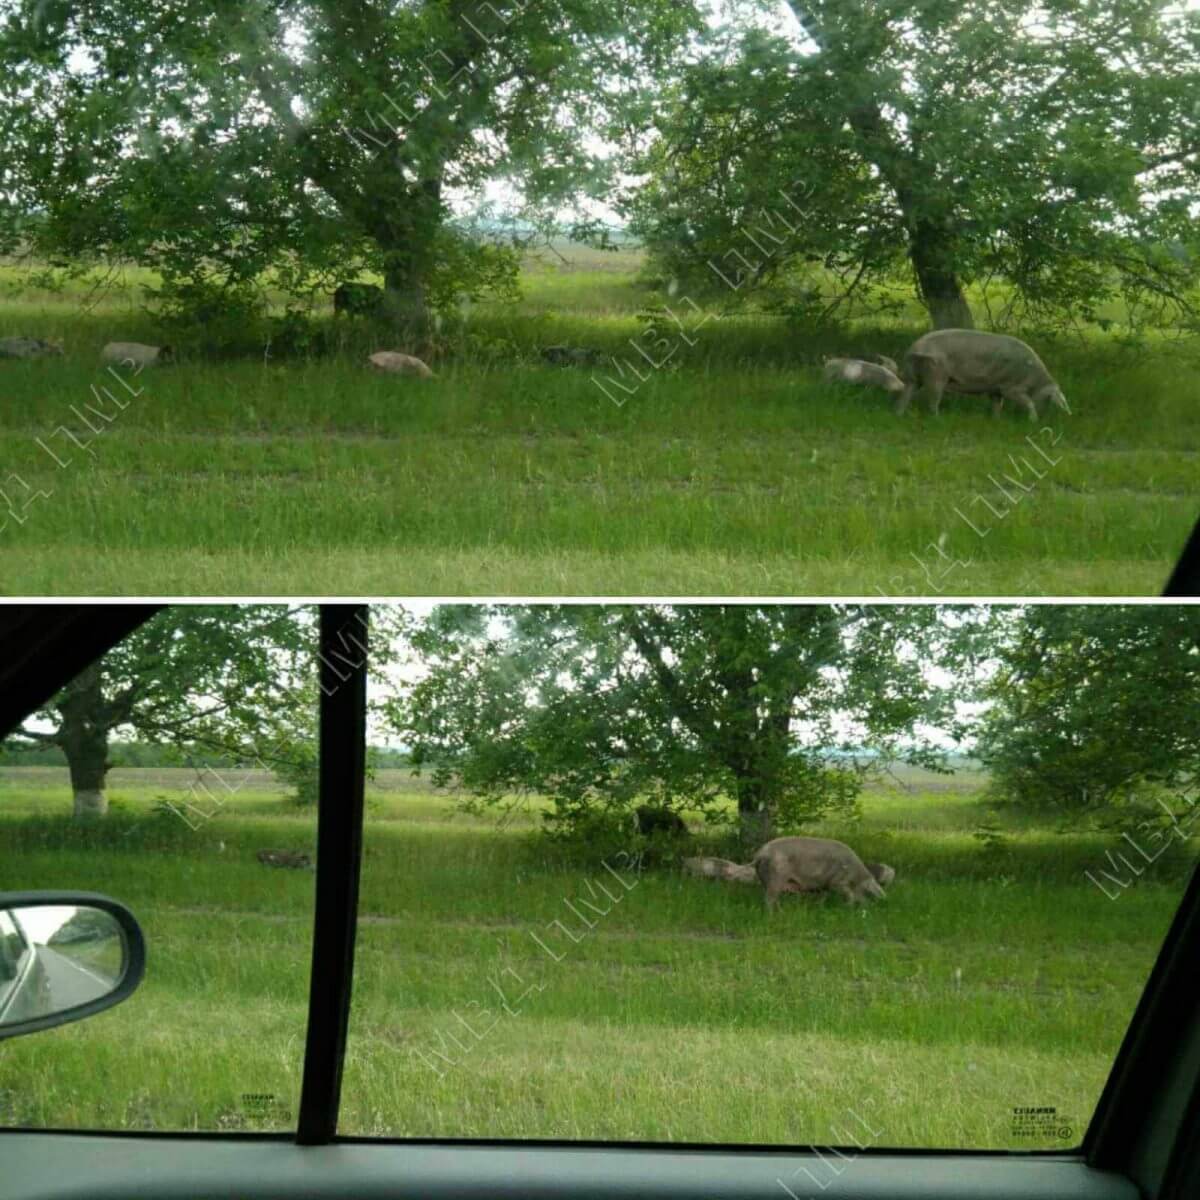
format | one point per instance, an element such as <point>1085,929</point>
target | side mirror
<point>63,957</point>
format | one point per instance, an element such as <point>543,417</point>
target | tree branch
<point>684,709</point>
<point>1162,160</point>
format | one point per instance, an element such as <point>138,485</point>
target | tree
<point>223,678</point>
<point>84,925</point>
<point>315,138</point>
<point>1091,703</point>
<point>975,138</point>
<point>600,707</point>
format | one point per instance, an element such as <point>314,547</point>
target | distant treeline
<point>144,754</point>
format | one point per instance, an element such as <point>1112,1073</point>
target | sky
<point>46,919</point>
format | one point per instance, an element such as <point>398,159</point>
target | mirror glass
<point>54,958</point>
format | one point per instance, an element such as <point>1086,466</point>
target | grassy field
<point>990,978</point>
<point>729,470</point>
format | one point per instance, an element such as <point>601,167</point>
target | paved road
<point>70,983</point>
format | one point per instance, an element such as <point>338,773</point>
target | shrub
<point>210,316</point>
<point>296,335</point>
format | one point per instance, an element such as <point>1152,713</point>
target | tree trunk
<point>941,293</point>
<point>404,299</point>
<point>407,238</point>
<point>84,739</point>
<point>756,814</point>
<point>89,803</point>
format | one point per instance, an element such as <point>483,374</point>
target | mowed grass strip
<point>670,1009</point>
<point>577,1080</point>
<point>480,571</point>
<point>733,470</point>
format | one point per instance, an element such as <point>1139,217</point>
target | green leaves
<point>1094,704</point>
<point>603,707</point>
<point>1023,146</point>
<point>232,679</point>
<point>219,146</point>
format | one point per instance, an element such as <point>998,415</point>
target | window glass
<point>13,952</point>
<point>174,775</point>
<point>566,926</point>
<point>562,933</point>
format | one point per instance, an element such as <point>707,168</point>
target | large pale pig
<point>977,363</point>
<point>806,864</point>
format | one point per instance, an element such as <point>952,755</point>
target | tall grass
<point>655,1006</point>
<point>731,470</point>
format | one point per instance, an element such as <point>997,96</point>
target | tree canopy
<point>1045,155</point>
<point>766,715</point>
<point>312,138</point>
<point>1054,151</point>
<point>233,679</point>
<point>1091,703</point>
<point>599,707</point>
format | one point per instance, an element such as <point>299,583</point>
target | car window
<point>173,775</point>
<point>26,992</point>
<point>563,926</point>
<point>577,920</point>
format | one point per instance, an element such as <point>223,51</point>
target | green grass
<point>685,1013</point>
<point>732,471</point>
